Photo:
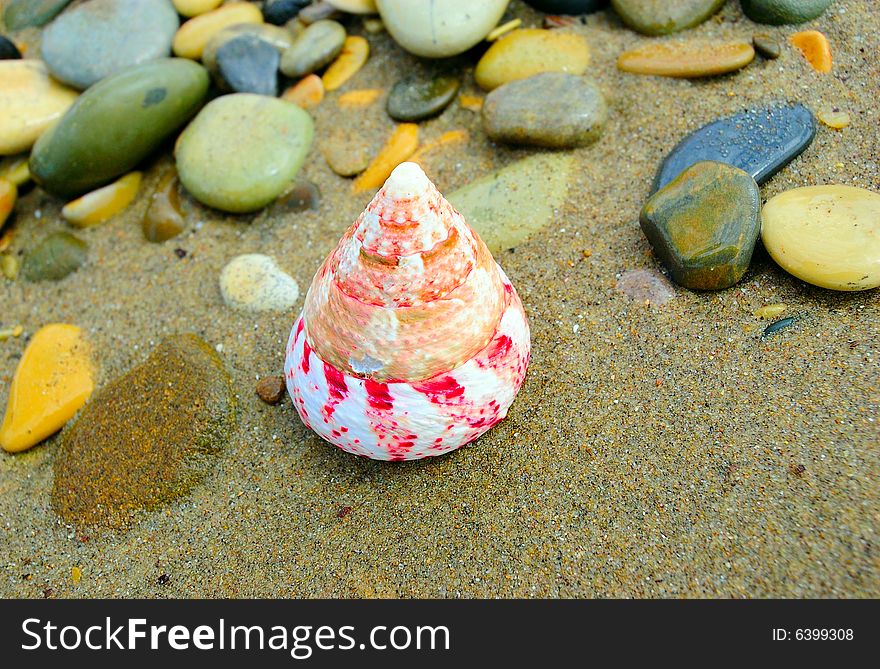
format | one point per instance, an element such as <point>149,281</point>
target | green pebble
<point>704,225</point>
<point>117,123</point>
<point>243,150</point>
<point>27,13</point>
<point>415,99</point>
<point>766,46</point>
<point>782,12</point>
<point>56,256</point>
<point>315,47</point>
<point>651,17</point>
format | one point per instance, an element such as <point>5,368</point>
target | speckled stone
<point>414,99</point>
<point>116,124</point>
<point>147,437</point>
<point>661,17</point>
<point>518,112</point>
<point>781,12</point>
<point>96,39</point>
<point>704,225</point>
<point>243,150</point>
<point>760,141</point>
<point>254,282</point>
<point>8,50</point>
<point>314,48</point>
<point>247,64</point>
<point>26,13</point>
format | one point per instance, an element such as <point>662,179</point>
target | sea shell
<point>412,341</point>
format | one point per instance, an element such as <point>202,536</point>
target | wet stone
<point>8,50</point>
<point>247,64</point>
<point>781,12</point>
<point>146,438</point>
<point>518,112</point>
<point>704,224</point>
<point>164,218</point>
<point>651,17</point>
<point>280,12</point>
<point>315,48</point>
<point>56,256</point>
<point>304,196</point>
<point>414,99</point>
<point>26,13</point>
<point>760,141</point>
<point>766,46</point>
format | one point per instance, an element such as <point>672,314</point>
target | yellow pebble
<point>190,8</point>
<point>400,146</point>
<point>8,195</point>
<point>503,29</point>
<point>192,36</point>
<point>770,311</point>
<point>355,6</point>
<point>447,138</point>
<point>306,93</point>
<point>52,381</point>
<point>528,51</point>
<point>354,54</point>
<point>102,204</point>
<point>76,575</point>
<point>16,170</point>
<point>472,103</point>
<point>362,97</point>
<point>834,118</point>
<point>9,266</point>
<point>5,240</point>
<point>686,59</point>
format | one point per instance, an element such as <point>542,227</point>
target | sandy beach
<point>653,451</point>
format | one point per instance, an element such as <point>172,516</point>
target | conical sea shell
<point>412,341</point>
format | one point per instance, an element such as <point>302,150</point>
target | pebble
<point>9,266</point>
<point>568,6</point>
<point>362,97</point>
<point>53,258</point>
<point>8,50</point>
<point>192,37</point>
<point>52,382</point>
<point>280,12</point>
<point>308,92</point>
<point>414,99</point>
<point>780,12</point>
<point>651,17</point>
<point>317,11</point>
<point>243,150</point>
<point>760,141</point>
<point>271,389</point>
<point>355,6</point>
<point>8,196</point>
<point>190,8</point>
<point>503,29</point>
<point>815,48</point>
<point>355,51</point>
<point>253,282</point>
<point>247,64</point>
<point>134,448</point>
<point>768,47</point>
<point>95,39</point>
<point>777,326</point>
<point>102,204</point>
<point>346,153</point>
<point>768,311</point>
<point>509,206</point>
<point>400,146</point>
<point>526,52</point>
<point>116,124</point>
<point>518,113</point>
<point>687,59</point>
<point>164,217</point>
<point>27,13</point>
<point>15,170</point>
<point>646,286</point>
<point>703,225</point>
<point>31,101</point>
<point>828,236</point>
<point>315,47</point>
<point>834,118</point>
<point>453,27</point>
<point>302,196</point>
<point>279,38</point>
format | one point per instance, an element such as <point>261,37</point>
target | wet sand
<point>652,452</point>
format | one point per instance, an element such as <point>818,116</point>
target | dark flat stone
<point>760,141</point>
<point>414,99</point>
<point>247,64</point>
<point>8,50</point>
<point>279,12</point>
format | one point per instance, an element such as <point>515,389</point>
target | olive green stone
<point>26,13</point>
<point>243,150</point>
<point>661,17</point>
<point>54,257</point>
<point>315,47</point>
<point>164,219</point>
<point>414,99</point>
<point>117,123</point>
<point>781,12</point>
<point>704,225</point>
<point>147,437</point>
<point>509,206</point>
<point>766,46</point>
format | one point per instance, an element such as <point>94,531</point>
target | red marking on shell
<point>378,396</point>
<point>335,383</point>
<point>440,390</point>
<point>307,352</point>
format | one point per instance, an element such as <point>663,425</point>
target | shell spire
<point>412,341</point>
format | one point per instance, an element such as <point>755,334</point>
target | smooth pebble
<point>254,282</point>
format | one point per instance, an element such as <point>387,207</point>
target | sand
<point>653,451</point>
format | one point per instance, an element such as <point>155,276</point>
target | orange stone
<point>102,204</point>
<point>400,146</point>
<point>687,59</point>
<point>306,93</point>
<point>814,45</point>
<point>354,54</point>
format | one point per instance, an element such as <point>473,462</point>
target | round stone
<point>117,123</point>
<point>190,8</point>
<point>56,256</point>
<point>661,17</point>
<point>26,13</point>
<point>781,12</point>
<point>243,150</point>
<point>96,39</point>
<point>688,59</point>
<point>247,64</point>
<point>253,282</point>
<point>31,101</point>
<point>315,47</point>
<point>518,113</point>
<point>280,12</point>
<point>825,235</point>
<point>449,28</point>
<point>414,99</point>
<point>193,36</point>
<point>525,52</point>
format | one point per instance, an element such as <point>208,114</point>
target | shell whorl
<point>409,292</point>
